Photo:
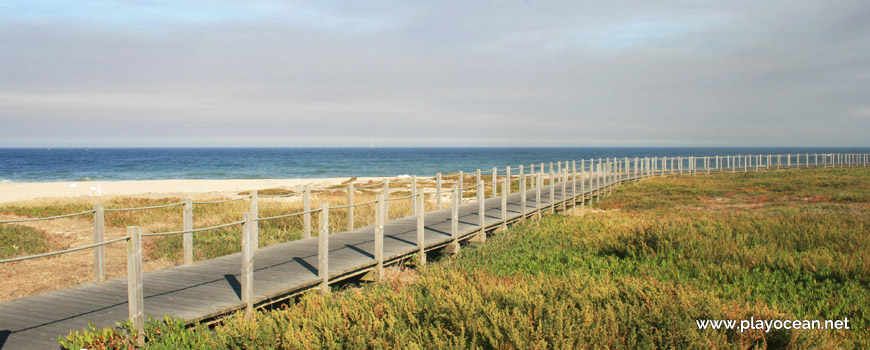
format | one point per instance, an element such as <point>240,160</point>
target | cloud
<point>465,73</point>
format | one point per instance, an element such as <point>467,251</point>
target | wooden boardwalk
<point>211,288</point>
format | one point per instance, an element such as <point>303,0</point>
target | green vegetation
<point>667,251</point>
<point>19,240</point>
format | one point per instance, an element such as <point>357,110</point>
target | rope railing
<point>352,205</point>
<point>398,198</point>
<point>46,218</point>
<point>224,200</point>
<point>288,215</point>
<point>279,195</point>
<point>70,250</point>
<point>191,231</point>
<point>145,208</point>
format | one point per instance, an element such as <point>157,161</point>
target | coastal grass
<point>658,255</point>
<point>20,240</point>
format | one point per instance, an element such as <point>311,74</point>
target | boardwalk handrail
<point>288,215</point>
<point>146,208</point>
<point>169,233</point>
<point>46,218</point>
<point>395,199</point>
<point>70,250</point>
<point>230,200</point>
<point>352,205</point>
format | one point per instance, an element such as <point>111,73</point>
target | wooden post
<point>351,210</point>
<point>380,204</point>
<point>438,191</point>
<point>135,289</point>
<point>583,184</point>
<point>532,175</point>
<point>323,248</point>
<point>788,160</point>
<point>481,214</point>
<point>522,175</point>
<point>414,195</point>
<point>681,165</point>
<point>552,190</point>
<point>453,246</point>
<point>574,183</point>
<point>187,226</point>
<point>421,230</point>
<point>387,197</point>
<point>599,180</point>
<point>99,237</point>
<point>494,182</point>
<point>507,175</point>
<point>611,176</point>
<point>255,227</point>
<point>540,183</point>
<point>247,276</point>
<point>460,185</point>
<point>636,170</point>
<point>479,177</point>
<point>564,177</point>
<point>522,195</point>
<point>306,207</point>
<point>504,194</point>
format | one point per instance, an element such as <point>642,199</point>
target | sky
<point>467,73</point>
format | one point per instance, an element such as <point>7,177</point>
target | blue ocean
<point>108,164</point>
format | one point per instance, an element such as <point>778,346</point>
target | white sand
<point>22,191</point>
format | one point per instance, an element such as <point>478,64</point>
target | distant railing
<point>599,174</point>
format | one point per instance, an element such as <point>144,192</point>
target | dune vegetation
<point>636,271</point>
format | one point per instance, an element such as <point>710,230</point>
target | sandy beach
<point>23,191</point>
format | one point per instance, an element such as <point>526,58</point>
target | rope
<point>287,215</point>
<point>398,198</point>
<point>64,251</point>
<point>151,207</point>
<point>191,231</point>
<point>225,200</point>
<point>47,218</point>
<point>353,205</point>
<point>280,195</point>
